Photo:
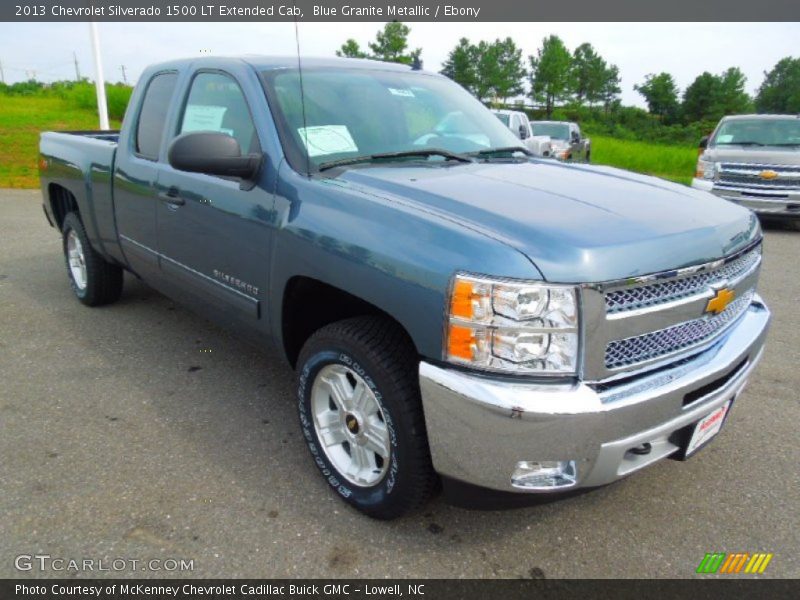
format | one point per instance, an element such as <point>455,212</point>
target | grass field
<point>670,162</point>
<point>22,118</point>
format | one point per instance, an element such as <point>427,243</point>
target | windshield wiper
<point>504,150</point>
<point>352,160</point>
<point>748,143</point>
<point>787,144</point>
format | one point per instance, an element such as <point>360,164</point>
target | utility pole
<point>99,81</point>
<point>77,69</point>
<point>2,73</point>
<point>124,78</point>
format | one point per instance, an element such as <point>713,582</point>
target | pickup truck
<point>459,314</point>
<point>517,121</point>
<point>566,138</point>
<point>754,160</point>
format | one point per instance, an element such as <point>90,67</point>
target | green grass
<point>22,118</point>
<point>676,163</point>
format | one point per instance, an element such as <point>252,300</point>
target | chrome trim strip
<point>189,269</point>
<point>673,274</point>
<point>721,186</point>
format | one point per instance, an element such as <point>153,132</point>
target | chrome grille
<point>630,351</point>
<point>670,290</point>
<point>748,175</point>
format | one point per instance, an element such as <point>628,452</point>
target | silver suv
<point>754,160</point>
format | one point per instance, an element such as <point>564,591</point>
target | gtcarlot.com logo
<point>734,563</point>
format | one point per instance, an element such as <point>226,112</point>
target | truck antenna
<point>302,93</point>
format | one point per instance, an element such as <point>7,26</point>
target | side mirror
<point>523,132</point>
<point>576,137</point>
<point>701,147</point>
<point>212,153</point>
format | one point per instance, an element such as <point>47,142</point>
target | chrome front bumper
<point>479,428</point>
<point>766,203</point>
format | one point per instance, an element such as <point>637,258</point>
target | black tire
<point>381,353</point>
<point>103,280</point>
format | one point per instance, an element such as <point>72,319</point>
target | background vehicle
<point>517,122</point>
<point>455,310</point>
<point>754,160</point>
<point>567,141</point>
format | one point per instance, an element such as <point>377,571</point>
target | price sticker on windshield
<point>327,139</point>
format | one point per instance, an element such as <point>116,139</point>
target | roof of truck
<point>755,116</point>
<point>270,63</point>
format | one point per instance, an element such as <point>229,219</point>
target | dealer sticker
<point>707,428</point>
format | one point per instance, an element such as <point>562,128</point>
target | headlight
<point>705,169</point>
<point>513,326</point>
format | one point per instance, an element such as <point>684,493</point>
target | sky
<point>45,50</point>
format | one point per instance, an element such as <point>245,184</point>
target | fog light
<point>544,475</point>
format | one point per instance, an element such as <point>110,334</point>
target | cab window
<point>216,103</point>
<point>153,115</point>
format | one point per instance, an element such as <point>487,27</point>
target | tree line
<point>495,72</point>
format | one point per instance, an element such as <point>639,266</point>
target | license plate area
<point>694,437</point>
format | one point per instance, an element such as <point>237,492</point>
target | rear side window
<point>216,103</point>
<point>153,115</point>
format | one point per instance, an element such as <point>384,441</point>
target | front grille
<point>749,176</point>
<point>653,294</point>
<point>630,351</point>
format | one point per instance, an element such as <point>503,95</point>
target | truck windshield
<point>759,132</point>
<point>503,118</point>
<point>557,131</point>
<point>343,113</point>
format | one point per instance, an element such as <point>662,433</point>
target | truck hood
<point>576,223</point>
<point>766,155</point>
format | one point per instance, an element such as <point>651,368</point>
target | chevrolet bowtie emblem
<point>768,174</point>
<point>720,301</point>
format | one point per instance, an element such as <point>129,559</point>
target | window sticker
<point>327,139</point>
<point>404,93</point>
<point>724,138</point>
<point>201,117</point>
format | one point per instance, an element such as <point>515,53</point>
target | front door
<point>214,233</point>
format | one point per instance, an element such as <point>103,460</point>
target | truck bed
<point>82,164</point>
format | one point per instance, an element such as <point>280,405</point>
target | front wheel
<point>361,415</point>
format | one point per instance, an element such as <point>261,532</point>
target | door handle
<point>172,196</point>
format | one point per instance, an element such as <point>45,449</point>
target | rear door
<point>214,233</point>
<point>136,173</point>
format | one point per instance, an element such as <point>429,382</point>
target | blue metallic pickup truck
<point>460,314</point>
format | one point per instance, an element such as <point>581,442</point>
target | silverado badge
<point>720,301</point>
<point>768,174</point>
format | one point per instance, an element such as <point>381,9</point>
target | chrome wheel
<point>350,425</point>
<point>76,259</point>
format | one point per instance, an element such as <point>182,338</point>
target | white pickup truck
<point>754,160</point>
<point>518,123</point>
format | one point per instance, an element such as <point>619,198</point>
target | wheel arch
<point>309,304</point>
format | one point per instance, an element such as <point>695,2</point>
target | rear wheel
<point>361,415</point>
<point>94,280</point>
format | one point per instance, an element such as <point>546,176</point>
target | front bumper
<point>479,428</point>
<point>762,202</point>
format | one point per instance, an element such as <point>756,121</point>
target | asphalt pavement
<point>142,431</point>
